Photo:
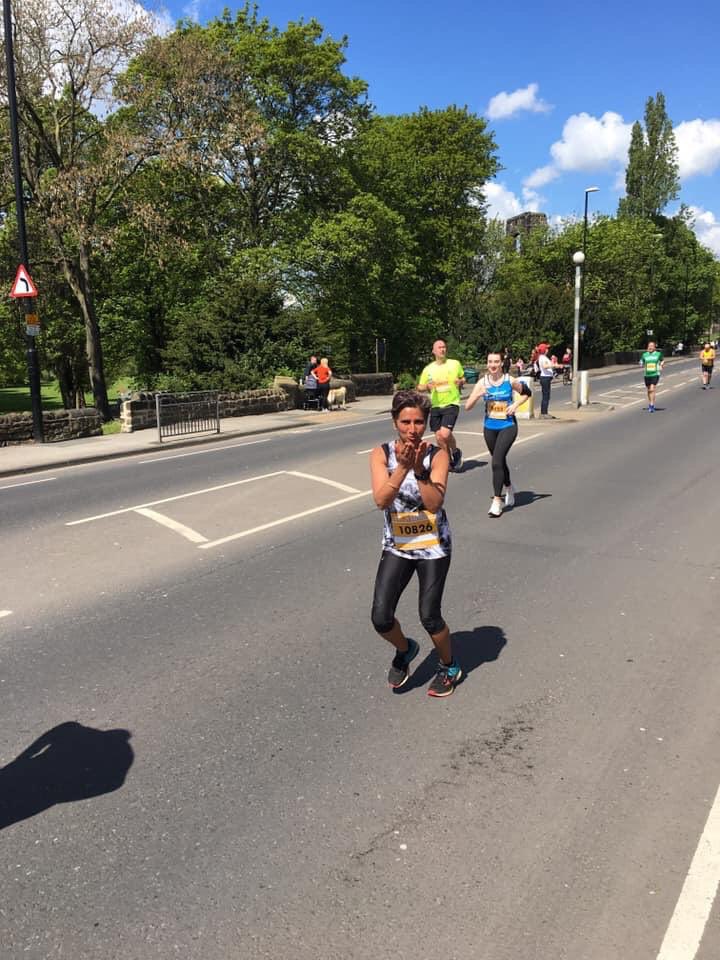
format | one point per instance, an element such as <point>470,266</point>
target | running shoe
<point>495,508</point>
<point>445,680</point>
<point>400,667</point>
<point>510,496</point>
<point>457,460</point>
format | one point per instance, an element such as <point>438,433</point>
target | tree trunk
<point>77,275</point>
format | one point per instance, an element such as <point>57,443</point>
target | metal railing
<point>179,414</point>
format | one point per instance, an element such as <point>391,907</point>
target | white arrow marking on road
<point>687,924</point>
<point>192,535</point>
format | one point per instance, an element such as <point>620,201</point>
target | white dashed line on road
<point>27,483</point>
<point>5,613</point>
<point>197,453</point>
<point>687,924</point>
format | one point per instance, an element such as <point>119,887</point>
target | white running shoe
<point>495,508</point>
<point>510,496</point>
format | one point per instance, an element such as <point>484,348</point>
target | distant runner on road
<point>707,359</point>
<point>409,480</point>
<point>500,427</point>
<point>652,362</point>
<point>443,379</point>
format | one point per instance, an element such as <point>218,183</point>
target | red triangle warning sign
<point>23,285</point>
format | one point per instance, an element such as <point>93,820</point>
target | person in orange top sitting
<point>323,375</point>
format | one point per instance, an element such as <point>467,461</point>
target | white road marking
<point>5,613</point>
<point>330,483</point>
<point>302,430</point>
<point>344,426</point>
<point>277,523</point>
<point>470,433</point>
<point>369,450</point>
<point>687,924</point>
<point>192,535</point>
<point>196,453</point>
<point>677,385</point>
<point>180,496</point>
<point>26,483</point>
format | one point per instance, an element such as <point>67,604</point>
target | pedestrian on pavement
<point>409,480</point>
<point>547,372</point>
<point>443,379</point>
<point>500,427</point>
<point>506,360</point>
<point>707,360</point>
<point>310,366</point>
<point>323,375</point>
<point>652,362</point>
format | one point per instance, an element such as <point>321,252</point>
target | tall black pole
<point>28,304</point>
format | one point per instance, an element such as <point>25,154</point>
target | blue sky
<point>575,77</point>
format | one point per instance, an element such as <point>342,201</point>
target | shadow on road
<point>471,647</point>
<point>472,465</point>
<point>69,762</point>
<point>523,498</point>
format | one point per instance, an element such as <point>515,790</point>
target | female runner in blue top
<point>500,427</point>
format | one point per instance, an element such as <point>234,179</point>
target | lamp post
<point>28,306</point>
<point>587,191</point>
<point>578,259</point>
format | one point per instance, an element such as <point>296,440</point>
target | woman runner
<point>500,427</point>
<point>409,480</point>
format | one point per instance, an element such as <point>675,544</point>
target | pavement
<point>31,457</point>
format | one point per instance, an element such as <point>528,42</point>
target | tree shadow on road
<point>69,762</point>
<point>472,648</point>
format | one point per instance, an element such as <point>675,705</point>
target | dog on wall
<point>337,398</point>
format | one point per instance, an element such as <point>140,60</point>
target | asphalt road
<point>270,797</point>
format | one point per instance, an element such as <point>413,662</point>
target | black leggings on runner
<point>393,575</point>
<point>499,443</point>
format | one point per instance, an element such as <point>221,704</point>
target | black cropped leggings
<point>499,443</point>
<point>393,575</point>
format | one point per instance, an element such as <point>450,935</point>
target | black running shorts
<point>649,381</point>
<point>444,417</point>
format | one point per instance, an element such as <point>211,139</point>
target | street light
<point>578,259</point>
<point>587,191</point>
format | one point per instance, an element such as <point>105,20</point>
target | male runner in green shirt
<point>652,362</point>
<point>443,379</point>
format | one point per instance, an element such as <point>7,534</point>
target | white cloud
<point>591,143</point>
<point>533,200</point>
<point>588,144</point>
<point>707,228</point>
<point>541,176</point>
<point>502,203</point>
<point>698,144</point>
<point>525,98</point>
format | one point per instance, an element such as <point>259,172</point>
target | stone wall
<point>138,413</point>
<point>373,384</point>
<point>57,425</point>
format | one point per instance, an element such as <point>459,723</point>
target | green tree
<point>651,177</point>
